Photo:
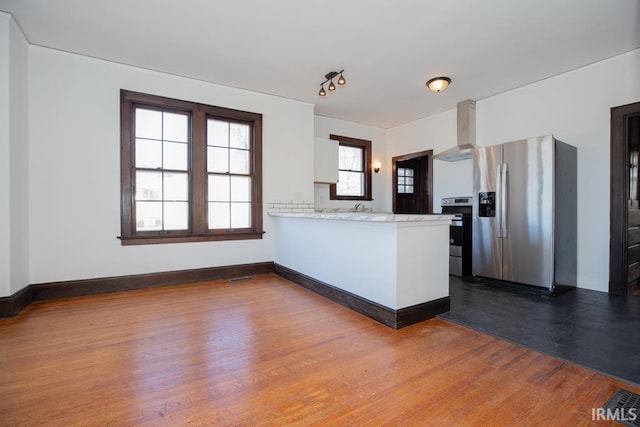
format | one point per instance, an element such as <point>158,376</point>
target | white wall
<point>74,167</point>
<point>575,107</point>
<point>5,142</point>
<point>380,182</point>
<point>14,225</point>
<point>19,168</point>
<point>437,133</point>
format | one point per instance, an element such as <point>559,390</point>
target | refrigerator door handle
<point>499,201</point>
<point>503,202</point>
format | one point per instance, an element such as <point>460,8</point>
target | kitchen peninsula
<point>392,268</point>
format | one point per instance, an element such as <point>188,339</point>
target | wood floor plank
<point>268,352</point>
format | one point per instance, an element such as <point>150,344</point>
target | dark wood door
<point>409,192</point>
<point>624,250</point>
<point>412,183</point>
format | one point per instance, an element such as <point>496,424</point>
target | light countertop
<point>365,216</point>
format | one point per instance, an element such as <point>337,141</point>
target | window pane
<point>148,216</point>
<point>350,158</point>
<point>400,188</point>
<point>409,172</point>
<point>239,161</point>
<point>217,133</point>
<point>175,127</point>
<point>240,215</point>
<point>218,188</point>
<point>409,181</point>
<point>219,215</point>
<point>350,184</point>
<point>176,186</point>
<point>239,136</point>
<point>148,124</point>
<point>175,156</point>
<point>401,171</point>
<point>400,180</point>
<point>217,159</point>
<point>176,215</point>
<point>409,189</point>
<point>148,153</point>
<point>148,185</point>
<point>240,189</point>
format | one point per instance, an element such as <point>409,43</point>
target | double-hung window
<point>354,169</point>
<point>189,171</point>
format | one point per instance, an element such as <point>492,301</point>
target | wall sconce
<point>438,84</point>
<point>376,166</point>
<point>329,78</point>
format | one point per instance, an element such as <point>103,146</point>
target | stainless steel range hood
<point>466,125</point>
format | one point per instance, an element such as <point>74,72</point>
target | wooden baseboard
<point>394,318</point>
<point>74,288</point>
<point>12,305</point>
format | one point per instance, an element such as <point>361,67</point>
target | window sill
<point>186,238</point>
<point>365,199</point>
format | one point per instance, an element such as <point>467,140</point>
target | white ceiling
<point>389,49</point>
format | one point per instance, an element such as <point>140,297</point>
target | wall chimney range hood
<point>466,125</point>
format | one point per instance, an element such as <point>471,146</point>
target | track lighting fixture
<point>329,78</point>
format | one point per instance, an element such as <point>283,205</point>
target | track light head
<point>329,79</point>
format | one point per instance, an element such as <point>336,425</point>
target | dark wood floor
<point>594,329</point>
<point>268,352</point>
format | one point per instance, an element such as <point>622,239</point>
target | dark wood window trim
<point>199,114</point>
<point>366,146</point>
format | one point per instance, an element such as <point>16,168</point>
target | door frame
<point>428,177</point>
<point>619,193</point>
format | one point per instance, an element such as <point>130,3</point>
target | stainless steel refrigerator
<point>525,213</point>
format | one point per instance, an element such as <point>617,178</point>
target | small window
<point>354,169</point>
<point>405,180</point>
<point>189,172</point>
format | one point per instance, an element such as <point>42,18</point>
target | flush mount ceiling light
<point>438,84</point>
<point>329,78</point>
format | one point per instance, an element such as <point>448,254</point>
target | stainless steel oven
<point>459,234</point>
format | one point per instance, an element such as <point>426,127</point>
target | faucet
<point>358,206</point>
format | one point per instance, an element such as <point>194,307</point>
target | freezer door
<point>487,245</point>
<point>528,235</point>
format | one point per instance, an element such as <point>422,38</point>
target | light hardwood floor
<point>267,352</point>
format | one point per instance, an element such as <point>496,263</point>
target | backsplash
<point>291,206</point>
<point>344,210</point>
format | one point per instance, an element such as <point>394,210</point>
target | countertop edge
<point>368,217</point>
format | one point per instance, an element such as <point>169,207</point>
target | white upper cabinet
<point>325,161</point>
